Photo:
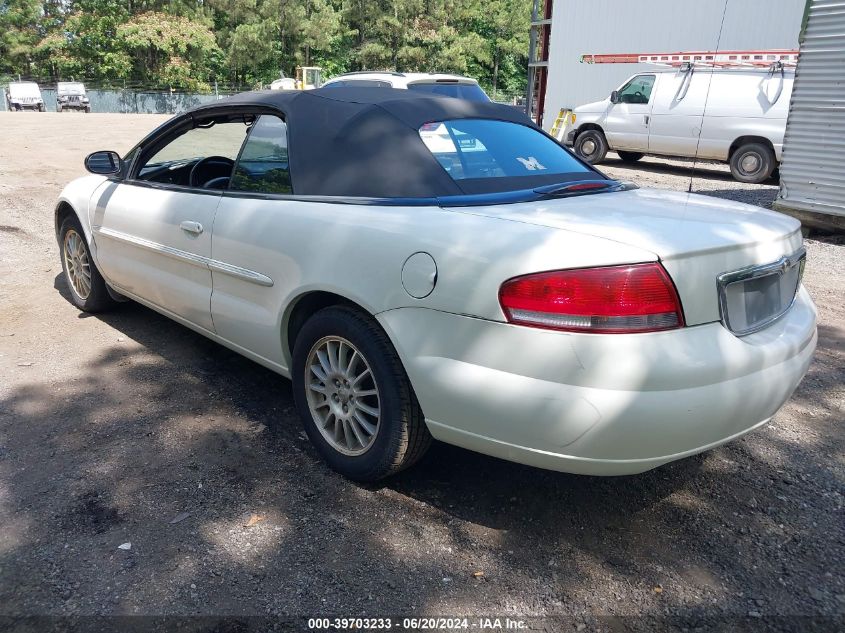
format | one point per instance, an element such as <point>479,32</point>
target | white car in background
<point>440,84</point>
<point>494,292</point>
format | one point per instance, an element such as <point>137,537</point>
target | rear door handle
<point>191,227</point>
<point>645,119</point>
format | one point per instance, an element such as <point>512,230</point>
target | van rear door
<point>627,121</point>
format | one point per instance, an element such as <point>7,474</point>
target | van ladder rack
<point>715,59</point>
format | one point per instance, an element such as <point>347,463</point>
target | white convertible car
<point>489,289</point>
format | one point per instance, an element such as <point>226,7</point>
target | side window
<point>638,90</point>
<point>366,83</point>
<point>201,157</point>
<point>263,165</point>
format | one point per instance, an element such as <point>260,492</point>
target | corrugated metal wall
<point>631,26</point>
<point>812,175</point>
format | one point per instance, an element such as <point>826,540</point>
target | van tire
<point>591,145</point>
<point>630,157</point>
<point>752,163</point>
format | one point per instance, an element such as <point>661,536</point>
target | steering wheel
<point>214,167</point>
<point>641,97</point>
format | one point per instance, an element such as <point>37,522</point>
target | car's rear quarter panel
<point>357,251</point>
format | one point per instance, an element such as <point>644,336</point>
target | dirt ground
<point>128,428</point>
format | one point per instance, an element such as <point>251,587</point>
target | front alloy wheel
<point>88,290</point>
<point>77,264</point>
<point>342,394</point>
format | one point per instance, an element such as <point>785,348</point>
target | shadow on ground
<point>195,456</point>
<point>706,170</point>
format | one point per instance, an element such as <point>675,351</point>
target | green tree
<point>87,46</point>
<point>176,50</point>
<point>187,44</point>
<point>502,27</point>
<point>21,28</point>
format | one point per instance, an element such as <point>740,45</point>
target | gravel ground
<point>128,428</point>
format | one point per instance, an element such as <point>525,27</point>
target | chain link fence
<point>132,99</point>
<point>146,100</point>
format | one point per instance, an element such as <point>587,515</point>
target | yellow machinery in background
<point>308,77</point>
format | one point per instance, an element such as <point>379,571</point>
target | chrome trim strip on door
<point>752,272</point>
<point>161,249</point>
<point>190,258</point>
<point>241,273</point>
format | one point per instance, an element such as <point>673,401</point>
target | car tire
<point>58,108</point>
<point>87,109</point>
<point>591,145</point>
<point>630,157</point>
<point>88,290</point>
<point>752,163</point>
<point>334,346</point>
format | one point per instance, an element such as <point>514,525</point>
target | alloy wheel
<point>342,395</point>
<point>77,264</point>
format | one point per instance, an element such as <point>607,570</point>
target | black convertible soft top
<point>365,142</point>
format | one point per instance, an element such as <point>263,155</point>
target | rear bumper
<point>597,404</point>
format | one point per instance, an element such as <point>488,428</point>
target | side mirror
<point>105,163</point>
<point>614,96</point>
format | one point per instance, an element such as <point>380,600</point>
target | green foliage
<point>176,50</point>
<point>190,44</point>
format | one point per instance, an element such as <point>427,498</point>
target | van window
<point>638,90</point>
<point>263,165</point>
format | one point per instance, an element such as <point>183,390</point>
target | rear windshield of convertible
<point>470,149</point>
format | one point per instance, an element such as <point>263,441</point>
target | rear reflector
<point>609,300</point>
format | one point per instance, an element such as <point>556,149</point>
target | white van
<point>663,112</point>
<point>24,95</point>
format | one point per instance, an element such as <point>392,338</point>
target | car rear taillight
<point>610,300</point>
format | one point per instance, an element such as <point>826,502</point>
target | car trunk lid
<point>697,238</point>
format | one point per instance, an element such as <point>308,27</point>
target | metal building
<point>812,174</point>
<point>578,27</point>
